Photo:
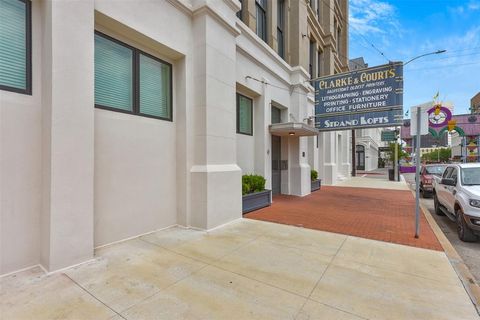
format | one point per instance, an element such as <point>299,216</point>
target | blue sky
<point>403,29</point>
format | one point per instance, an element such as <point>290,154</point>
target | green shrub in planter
<point>313,175</point>
<point>252,183</point>
<point>245,187</point>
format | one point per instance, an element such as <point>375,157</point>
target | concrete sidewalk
<point>245,270</point>
<point>373,182</point>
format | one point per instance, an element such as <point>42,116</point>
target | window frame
<point>136,81</point>
<point>311,60</point>
<point>238,114</point>
<point>264,8</point>
<point>28,54</point>
<point>281,27</point>
<point>319,62</point>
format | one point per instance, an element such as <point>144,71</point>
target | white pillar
<point>216,191</point>
<point>263,139</point>
<point>68,143</point>
<point>327,155</point>
<point>346,153</point>
<point>298,166</point>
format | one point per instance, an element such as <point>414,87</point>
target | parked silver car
<point>457,195</point>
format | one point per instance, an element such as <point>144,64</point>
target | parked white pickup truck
<point>457,195</point>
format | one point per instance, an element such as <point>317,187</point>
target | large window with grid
<point>244,115</point>
<point>261,12</point>
<point>15,46</point>
<point>281,27</point>
<point>131,81</point>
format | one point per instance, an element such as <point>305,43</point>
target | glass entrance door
<point>360,157</point>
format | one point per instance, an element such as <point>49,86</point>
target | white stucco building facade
<point>75,177</point>
<point>368,142</point>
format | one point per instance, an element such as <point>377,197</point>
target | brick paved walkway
<point>379,214</point>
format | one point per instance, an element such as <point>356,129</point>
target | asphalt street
<point>469,251</point>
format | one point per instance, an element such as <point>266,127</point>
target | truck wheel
<point>436,205</point>
<point>464,232</point>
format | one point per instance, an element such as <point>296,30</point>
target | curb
<point>466,277</point>
<point>461,269</point>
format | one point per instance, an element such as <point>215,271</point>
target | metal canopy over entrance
<point>297,129</point>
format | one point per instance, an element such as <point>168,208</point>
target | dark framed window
<point>16,46</point>
<point>239,13</point>
<point>339,39</point>
<point>131,81</point>
<point>319,63</point>
<point>276,116</point>
<point>281,27</point>
<point>261,8</point>
<point>244,115</point>
<point>312,58</point>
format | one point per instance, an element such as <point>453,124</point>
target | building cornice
<point>182,5</point>
<point>250,35</point>
<point>213,12</point>
<point>208,9</point>
<point>297,76</point>
<point>234,5</point>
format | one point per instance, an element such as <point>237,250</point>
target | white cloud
<point>473,5</point>
<point>372,16</point>
<point>461,48</point>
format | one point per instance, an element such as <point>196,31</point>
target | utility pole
<point>417,174</point>
<point>354,164</point>
<point>395,157</point>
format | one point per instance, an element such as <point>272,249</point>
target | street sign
<point>424,107</point>
<point>389,135</point>
<point>364,98</point>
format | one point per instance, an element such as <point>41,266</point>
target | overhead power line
<point>348,24</point>
<point>465,49</point>
<point>447,66</point>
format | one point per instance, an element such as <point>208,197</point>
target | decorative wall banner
<point>371,97</point>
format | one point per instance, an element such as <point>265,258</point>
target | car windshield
<point>436,170</point>
<point>471,176</point>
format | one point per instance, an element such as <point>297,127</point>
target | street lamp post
<point>424,55</point>
<point>417,171</point>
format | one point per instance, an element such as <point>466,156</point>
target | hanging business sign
<point>364,98</point>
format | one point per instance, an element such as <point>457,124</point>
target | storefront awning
<point>296,129</point>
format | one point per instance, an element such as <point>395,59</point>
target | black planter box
<point>257,200</point>
<point>316,184</point>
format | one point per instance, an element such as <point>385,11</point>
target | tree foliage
<point>391,152</point>
<point>441,154</point>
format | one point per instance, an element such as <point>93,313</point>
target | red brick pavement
<point>379,214</point>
